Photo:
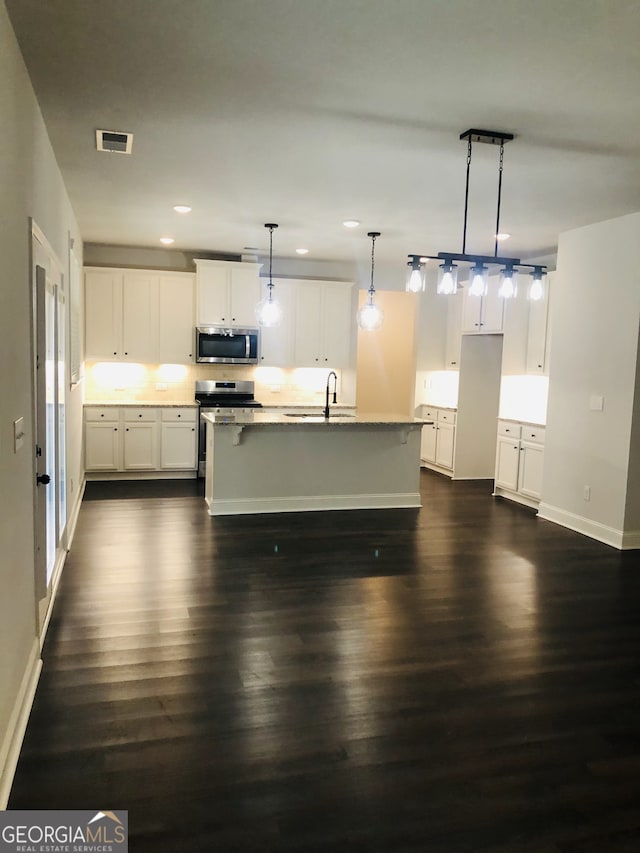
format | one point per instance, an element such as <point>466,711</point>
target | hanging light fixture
<point>370,316</point>
<point>268,310</point>
<point>478,275</point>
<point>508,282</point>
<point>536,289</point>
<point>415,274</point>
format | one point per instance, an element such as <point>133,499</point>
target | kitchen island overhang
<point>265,463</point>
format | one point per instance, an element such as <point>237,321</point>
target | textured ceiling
<point>308,112</point>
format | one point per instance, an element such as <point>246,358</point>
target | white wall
<point>594,353</point>
<point>31,187</point>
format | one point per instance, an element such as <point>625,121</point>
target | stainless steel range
<point>223,398</point>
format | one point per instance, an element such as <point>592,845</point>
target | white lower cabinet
<point>519,462</point>
<point>438,439</point>
<point>179,439</point>
<point>139,439</point>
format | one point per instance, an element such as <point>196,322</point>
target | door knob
<point>43,479</point>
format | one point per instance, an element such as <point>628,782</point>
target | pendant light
<point>479,271</point>
<point>508,283</point>
<point>536,290</point>
<point>268,310</point>
<point>415,274</point>
<point>370,316</point>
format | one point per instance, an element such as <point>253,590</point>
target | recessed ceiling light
<point>182,208</point>
<point>167,241</point>
<point>302,251</point>
<point>351,223</point>
<point>502,236</point>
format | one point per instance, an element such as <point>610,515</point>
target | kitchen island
<point>261,462</point>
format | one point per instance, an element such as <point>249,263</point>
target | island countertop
<point>278,419</point>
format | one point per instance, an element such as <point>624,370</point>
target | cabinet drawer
<point>133,413</point>
<point>429,413</point>
<point>101,413</point>
<point>509,429</point>
<point>530,433</point>
<point>178,415</point>
<point>446,417</point>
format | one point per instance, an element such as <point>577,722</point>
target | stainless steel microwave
<point>227,345</point>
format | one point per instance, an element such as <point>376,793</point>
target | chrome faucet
<point>326,397</point>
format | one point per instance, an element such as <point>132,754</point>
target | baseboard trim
<point>311,503</point>
<point>586,526</point>
<point>14,735</point>
<point>140,475</point>
<point>631,540</point>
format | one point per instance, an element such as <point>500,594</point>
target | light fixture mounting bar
<point>491,137</point>
<point>477,259</point>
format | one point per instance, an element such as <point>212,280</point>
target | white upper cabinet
<point>276,342</point>
<point>538,333</point>
<point>228,293</point>
<point>177,318</point>
<point>139,315</point>
<point>323,326</point>
<point>453,340</point>
<point>483,314</point>
<point>103,314</point>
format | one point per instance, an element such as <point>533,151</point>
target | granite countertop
<point>315,406</point>
<point>274,419</point>
<point>157,404</point>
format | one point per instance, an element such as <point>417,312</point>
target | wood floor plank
<point>463,677</point>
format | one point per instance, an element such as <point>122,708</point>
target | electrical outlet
<point>586,493</point>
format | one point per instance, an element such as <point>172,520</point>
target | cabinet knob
<point>102,415</point>
<point>126,353</point>
<point>507,429</point>
<point>233,319</point>
<point>115,353</point>
<point>115,429</point>
<point>454,362</point>
<point>193,429</point>
<point>521,449</point>
<point>317,359</point>
<point>179,416</point>
<point>127,429</point>
<point>139,416</point>
<point>476,324</point>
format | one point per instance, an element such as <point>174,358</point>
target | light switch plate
<point>596,402</point>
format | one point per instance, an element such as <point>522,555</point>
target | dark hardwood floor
<point>461,678</point>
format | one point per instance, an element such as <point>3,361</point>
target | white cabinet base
<point>140,475</point>
<point>499,492</point>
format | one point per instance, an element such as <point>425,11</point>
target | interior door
<point>50,508</point>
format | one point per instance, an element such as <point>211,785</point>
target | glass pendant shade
<point>370,316</point>
<point>508,283</point>
<point>415,277</point>
<point>268,311</point>
<point>536,289</point>
<point>478,280</point>
<point>447,279</point>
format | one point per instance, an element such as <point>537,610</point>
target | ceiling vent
<point>114,140</point>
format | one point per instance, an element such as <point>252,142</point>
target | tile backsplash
<point>119,381</point>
